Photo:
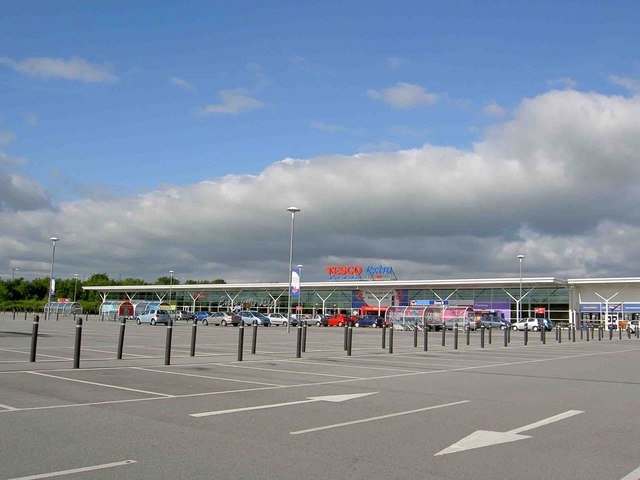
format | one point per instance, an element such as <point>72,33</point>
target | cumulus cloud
<point>564,82</point>
<point>404,95</point>
<point>233,102</point>
<point>630,83</point>
<point>6,137</point>
<point>75,68</point>
<point>557,181</point>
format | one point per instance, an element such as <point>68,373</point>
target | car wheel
<point>535,329</point>
<point>284,324</point>
<point>153,321</point>
<point>205,322</point>
<point>223,323</point>
<point>514,328</point>
<point>340,324</point>
<point>138,321</point>
<point>356,324</point>
<point>318,324</point>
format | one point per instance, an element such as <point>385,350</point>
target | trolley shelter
<point>62,308</point>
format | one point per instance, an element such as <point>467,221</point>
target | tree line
<point>31,295</point>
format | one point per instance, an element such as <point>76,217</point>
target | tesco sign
<point>356,272</point>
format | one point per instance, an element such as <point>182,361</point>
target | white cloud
<point>182,83</point>
<point>6,137</point>
<point>494,110</point>
<point>233,102</point>
<point>404,95</point>
<point>75,68</point>
<point>558,182</point>
<point>631,84</point>
<point>564,82</point>
<point>326,127</point>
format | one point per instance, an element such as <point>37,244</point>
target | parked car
<point>251,316</point>
<point>201,316</point>
<point>493,321</point>
<point>184,315</point>
<point>153,317</point>
<point>374,321</point>
<point>339,319</point>
<point>317,320</point>
<point>531,324</point>
<point>223,319</point>
<point>281,319</point>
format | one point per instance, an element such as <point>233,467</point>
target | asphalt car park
<point>552,410</point>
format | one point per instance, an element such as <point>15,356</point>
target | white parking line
<point>75,470</point>
<point>113,353</point>
<point>39,354</point>
<point>286,371</point>
<point>635,475</point>
<point>381,417</point>
<point>207,376</point>
<point>101,384</point>
<point>7,407</point>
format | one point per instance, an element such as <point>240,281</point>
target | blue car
<point>369,321</point>
<point>202,315</point>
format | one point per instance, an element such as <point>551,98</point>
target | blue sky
<point>106,101</point>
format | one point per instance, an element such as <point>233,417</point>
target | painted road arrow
<point>486,438</point>
<point>328,398</point>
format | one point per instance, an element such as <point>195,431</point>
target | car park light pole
<point>293,211</point>
<point>519,304</point>
<point>75,287</point>
<point>13,273</point>
<point>170,285</point>
<point>52,282</point>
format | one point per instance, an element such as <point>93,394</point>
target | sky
<point>442,138</point>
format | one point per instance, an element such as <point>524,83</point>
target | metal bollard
<point>559,335</point>
<point>240,340</point>
<point>544,336</point>
<point>299,341</point>
<point>426,338</point>
<point>619,333</point>
<point>57,314</point>
<point>34,338</point>
<point>588,333</point>
<point>526,334</point>
<point>391,338</point>
<point>506,334</point>
<point>86,318</point>
<point>194,332</point>
<point>254,338</point>
<point>638,330</point>
<point>76,350</point>
<point>455,336</point>
<point>628,333</point>
<point>25,315</point>
<point>599,334</point>
<point>349,340</point>
<point>444,334</point>
<point>123,322</point>
<point>509,335</point>
<point>569,333</point>
<point>468,332</point>
<point>167,347</point>
<point>490,330</point>
<point>610,334</point>
<point>573,334</point>
<point>346,333</point>
<point>415,336</point>
<point>384,336</point>
<point>482,336</point>
<point>581,334</point>
<point>304,338</point>
<point>14,314</point>
<point>557,332</point>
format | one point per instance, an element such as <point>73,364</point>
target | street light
<point>520,258</point>
<point>170,286</point>
<point>52,283</point>
<point>293,211</point>
<point>13,273</point>
<point>75,287</point>
<point>299,310</point>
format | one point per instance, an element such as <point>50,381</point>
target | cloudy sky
<point>441,138</point>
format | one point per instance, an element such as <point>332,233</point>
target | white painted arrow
<point>486,438</point>
<point>328,398</point>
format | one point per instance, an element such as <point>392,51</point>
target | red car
<point>339,320</point>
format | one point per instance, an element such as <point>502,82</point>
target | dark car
<point>374,321</point>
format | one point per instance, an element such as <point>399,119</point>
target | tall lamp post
<point>170,286</point>
<point>13,273</point>
<point>520,258</point>
<point>75,287</point>
<point>299,310</point>
<point>293,211</point>
<point>52,283</point>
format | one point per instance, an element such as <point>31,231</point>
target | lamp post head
<point>293,210</point>
<point>299,266</point>
<point>54,239</point>
<point>520,257</point>
<point>171,272</point>
<point>75,275</point>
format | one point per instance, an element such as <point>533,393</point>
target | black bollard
<point>588,333</point>
<point>25,315</point>
<point>426,338</point>
<point>506,335</point>
<point>455,336</point>
<point>599,334</point>
<point>346,328</point>
<point>559,335</point>
<point>57,316</point>
<point>490,330</point>
<point>34,337</point>
<point>569,333</point>
<point>304,338</point>
<point>240,340</point>
<point>14,314</point>
<point>349,340</point>
<point>194,333</point>
<point>619,333</point>
<point>544,335</point>
<point>573,335</point>
<point>123,321</point>
<point>391,338</point>
<point>299,341</point>
<point>76,350</point>
<point>415,336</point>
<point>167,348</point>
<point>468,332</point>
<point>444,334</point>
<point>628,333</point>
<point>384,336</point>
<point>254,338</point>
<point>526,334</point>
<point>638,330</point>
<point>581,333</point>
<point>482,336</point>
<point>86,318</point>
<point>610,334</point>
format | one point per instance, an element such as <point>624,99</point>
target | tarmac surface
<point>538,411</point>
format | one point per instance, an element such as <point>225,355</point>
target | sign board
<point>539,310</point>
<point>429,302</point>
<point>358,272</point>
